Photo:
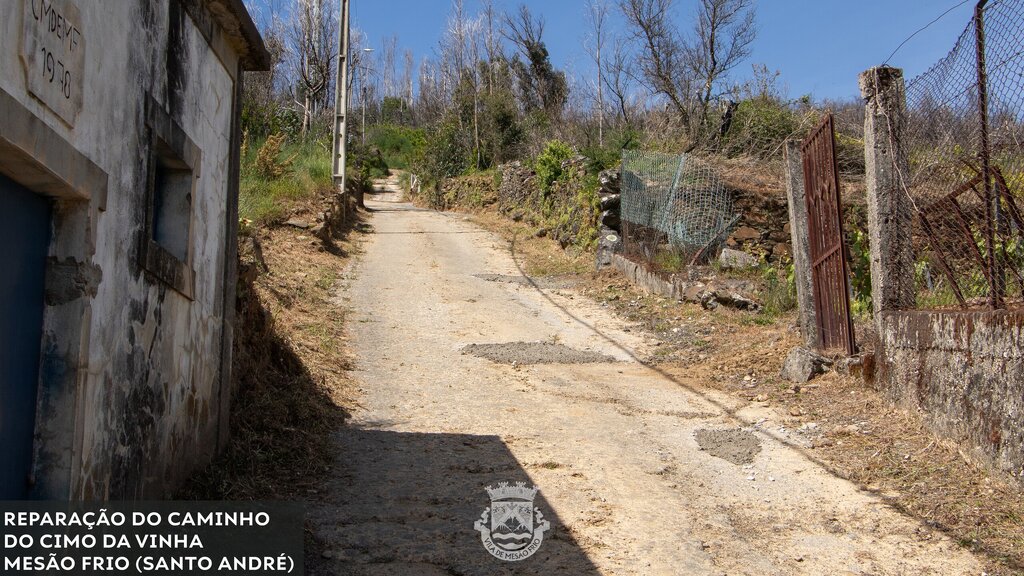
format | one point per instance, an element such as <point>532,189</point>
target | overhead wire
<point>922,29</point>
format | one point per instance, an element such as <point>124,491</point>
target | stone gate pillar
<point>799,231</point>
<point>890,211</point>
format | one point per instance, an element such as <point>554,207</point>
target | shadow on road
<point>405,504</point>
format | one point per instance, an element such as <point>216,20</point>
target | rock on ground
<point>802,365</point>
<point>737,260</point>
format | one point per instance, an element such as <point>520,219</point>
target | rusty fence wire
<point>676,211</point>
<point>965,125</point>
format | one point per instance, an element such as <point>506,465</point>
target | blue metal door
<point>25,241</point>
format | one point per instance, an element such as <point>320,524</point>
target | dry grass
<point>290,365</point>
<point>892,453</point>
<point>865,438</point>
<point>767,178</point>
<point>540,256</point>
<point>751,174</point>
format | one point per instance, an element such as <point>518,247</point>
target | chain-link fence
<point>963,142</point>
<point>675,209</point>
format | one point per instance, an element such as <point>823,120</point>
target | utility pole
<point>341,108</point>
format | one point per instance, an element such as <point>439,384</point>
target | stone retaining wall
<point>965,372</point>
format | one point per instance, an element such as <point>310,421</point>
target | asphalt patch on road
<point>504,278</point>
<point>535,353</point>
<point>546,282</point>
<point>736,446</point>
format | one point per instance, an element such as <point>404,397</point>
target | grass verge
<point>290,368</point>
<point>540,256</point>
<point>305,174</point>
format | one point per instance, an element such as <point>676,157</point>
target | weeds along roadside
<point>290,362</point>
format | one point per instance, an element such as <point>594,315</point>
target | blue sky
<point>818,46</point>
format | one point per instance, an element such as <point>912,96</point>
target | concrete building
<point>119,124</point>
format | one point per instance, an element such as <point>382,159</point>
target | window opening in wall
<point>172,202</point>
<point>173,170</point>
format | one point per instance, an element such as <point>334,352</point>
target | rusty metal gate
<point>829,253</point>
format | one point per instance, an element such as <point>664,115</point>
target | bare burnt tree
<point>542,85</point>
<point>408,68</point>
<point>312,34</point>
<point>724,32</point>
<point>473,78</point>
<point>597,16</point>
<point>687,69</point>
<point>262,90</point>
<point>389,66</point>
<point>661,53</point>
<point>453,47</point>
<point>618,78</point>
<point>492,43</point>
<point>357,60</point>
<point>430,102</point>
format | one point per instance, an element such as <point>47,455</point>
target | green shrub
<point>759,127</point>
<point>368,161</point>
<point>398,145</point>
<point>265,198</point>
<point>779,288</point>
<point>610,155</point>
<point>270,118</point>
<point>860,272</point>
<point>501,133</point>
<point>549,163</point>
<point>669,260</point>
<point>443,154</point>
<point>394,110</point>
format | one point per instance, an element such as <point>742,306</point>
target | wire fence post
<point>965,179</point>
<point>996,274</point>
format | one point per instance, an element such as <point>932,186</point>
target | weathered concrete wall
<point>696,286</point>
<point>965,372</point>
<point>144,409</point>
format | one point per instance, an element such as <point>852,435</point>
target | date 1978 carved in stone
<point>53,54</point>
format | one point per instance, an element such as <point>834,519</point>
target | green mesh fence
<point>675,208</point>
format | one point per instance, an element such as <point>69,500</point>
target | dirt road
<point>639,471</point>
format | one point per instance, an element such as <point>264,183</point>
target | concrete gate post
<point>890,210</point>
<point>801,243</point>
